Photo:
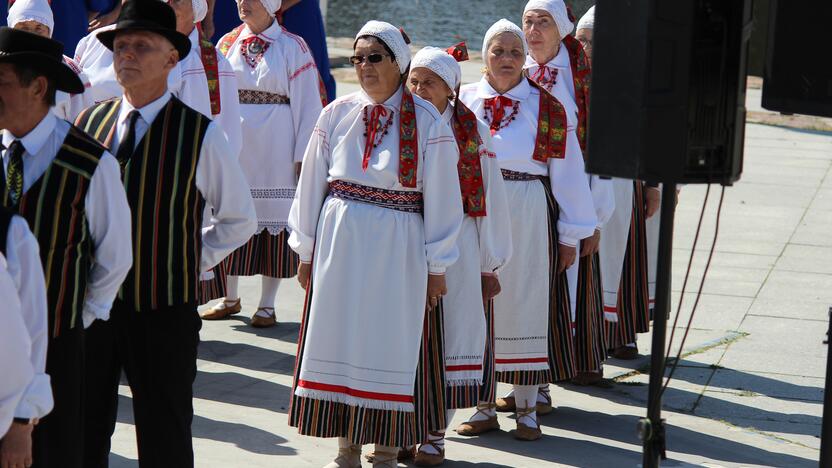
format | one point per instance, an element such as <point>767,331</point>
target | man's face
<point>34,27</point>
<point>184,10</point>
<point>16,99</point>
<point>142,57</point>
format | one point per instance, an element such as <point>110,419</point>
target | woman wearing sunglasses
<point>551,210</point>
<point>375,232</point>
<point>279,102</point>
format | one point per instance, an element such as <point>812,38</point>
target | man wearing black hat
<point>66,185</point>
<point>174,160</point>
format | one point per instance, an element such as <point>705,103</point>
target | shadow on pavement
<point>241,390</point>
<point>247,356</point>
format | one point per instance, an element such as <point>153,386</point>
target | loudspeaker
<point>668,90</point>
<point>798,74</point>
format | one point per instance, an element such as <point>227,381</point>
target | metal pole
<point>651,429</point>
<point>826,430</point>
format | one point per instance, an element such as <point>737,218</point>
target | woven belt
<point>520,176</point>
<point>409,202</point>
<point>251,96</point>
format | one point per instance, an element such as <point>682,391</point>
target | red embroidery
<point>458,51</point>
<point>253,48</point>
<point>301,70</point>
<point>374,131</point>
<point>229,39</point>
<point>581,76</point>
<point>408,141</point>
<point>551,127</point>
<point>468,140</point>
<point>546,77</point>
<point>495,112</point>
<point>208,55</point>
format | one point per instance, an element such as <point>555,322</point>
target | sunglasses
<point>372,58</point>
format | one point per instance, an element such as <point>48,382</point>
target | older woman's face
<point>505,57</point>
<point>584,36</point>
<point>380,78</point>
<point>541,32</point>
<point>34,27</point>
<point>429,86</point>
<point>252,11</point>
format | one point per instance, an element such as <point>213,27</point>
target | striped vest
<point>54,207</point>
<point>160,182</point>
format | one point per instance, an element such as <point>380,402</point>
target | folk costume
<point>15,348</point>
<point>67,187</point>
<point>464,336</point>
<point>371,210</point>
<point>174,161</point>
<point>280,100</point>
<point>67,105</point>
<point>23,263</point>
<point>567,77</point>
<point>534,136</point>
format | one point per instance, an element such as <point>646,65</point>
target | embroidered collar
<point>519,93</point>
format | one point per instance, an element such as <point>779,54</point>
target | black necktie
<point>14,171</point>
<point>126,147</point>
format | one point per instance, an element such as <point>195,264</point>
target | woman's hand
<point>490,286</point>
<point>304,271</point>
<point>652,201</point>
<point>436,289</point>
<point>590,245</point>
<point>566,257</point>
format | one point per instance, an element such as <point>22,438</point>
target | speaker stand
<point>651,429</point>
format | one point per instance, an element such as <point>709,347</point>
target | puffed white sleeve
<point>15,350</point>
<point>304,96</point>
<point>110,224</point>
<point>26,271</point>
<point>229,118</point>
<point>603,197</point>
<point>312,189</point>
<point>440,183</point>
<point>223,185</point>
<point>494,228</point>
<point>570,186</point>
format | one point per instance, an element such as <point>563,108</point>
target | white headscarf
<point>31,10</point>
<point>439,62</point>
<point>557,9</point>
<point>500,27</point>
<point>200,9</point>
<point>588,20</point>
<point>272,5</point>
<point>392,36</point>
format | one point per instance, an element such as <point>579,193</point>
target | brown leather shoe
<point>223,310</point>
<point>524,432</point>
<point>588,378</point>
<point>544,407</point>
<point>404,455</point>
<point>506,404</point>
<point>625,353</point>
<point>431,459</point>
<point>258,321</point>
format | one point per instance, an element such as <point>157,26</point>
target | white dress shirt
<point>15,349</point>
<point>106,207</point>
<point>26,270</point>
<point>514,145</point>
<point>218,178</point>
<point>68,106</point>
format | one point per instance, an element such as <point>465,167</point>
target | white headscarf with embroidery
<point>31,10</point>
<point>440,62</point>
<point>272,5</point>
<point>503,26</point>
<point>557,9</point>
<point>392,36</point>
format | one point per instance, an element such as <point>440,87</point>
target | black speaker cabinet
<point>798,74</point>
<point>668,90</point>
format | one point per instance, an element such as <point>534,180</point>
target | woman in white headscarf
<point>35,16</point>
<point>551,211</point>
<point>462,330</point>
<point>279,102</point>
<point>558,63</point>
<point>375,233</point>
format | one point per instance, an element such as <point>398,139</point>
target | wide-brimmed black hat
<point>39,53</point>
<point>148,15</point>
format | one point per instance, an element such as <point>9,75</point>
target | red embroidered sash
<point>208,54</point>
<point>408,140</point>
<point>228,40</point>
<point>581,75</point>
<point>551,127</point>
<point>464,124</point>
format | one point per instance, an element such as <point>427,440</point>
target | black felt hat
<point>148,15</point>
<point>40,53</point>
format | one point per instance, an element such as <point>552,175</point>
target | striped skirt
<point>264,254</point>
<point>560,343</point>
<point>590,339</point>
<point>633,294</point>
<point>213,288</point>
<point>320,418</point>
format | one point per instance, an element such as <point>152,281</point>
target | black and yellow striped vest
<point>54,207</point>
<point>160,181</point>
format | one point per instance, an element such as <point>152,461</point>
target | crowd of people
<point>447,234</point>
